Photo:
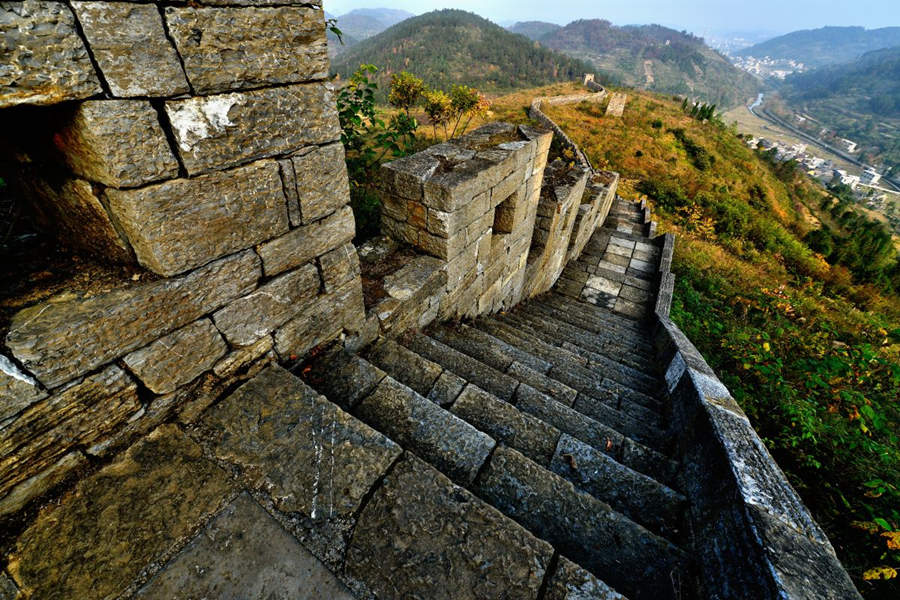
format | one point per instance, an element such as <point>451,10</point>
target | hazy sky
<point>698,16</point>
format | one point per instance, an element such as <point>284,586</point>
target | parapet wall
<point>754,536</point>
<point>471,203</point>
<point>199,144</point>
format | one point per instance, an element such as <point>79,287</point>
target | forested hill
<point>534,30</point>
<point>826,46</point>
<point>655,58</point>
<point>455,47</point>
<point>870,84</point>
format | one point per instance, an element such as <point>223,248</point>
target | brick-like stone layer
<point>58,341</point>
<point>118,143</point>
<point>214,132</point>
<point>79,416</point>
<point>181,224</point>
<point>234,48</point>
<point>131,48</point>
<point>178,358</point>
<point>44,59</point>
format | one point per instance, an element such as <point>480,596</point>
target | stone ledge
<point>764,507</point>
<point>109,325</point>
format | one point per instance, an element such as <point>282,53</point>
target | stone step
<point>609,329</point>
<point>400,413</point>
<point>623,449</point>
<point>568,368</point>
<point>642,377</point>
<point>629,348</point>
<point>597,320</point>
<point>641,498</point>
<point>422,536</point>
<point>458,360</point>
<point>591,430</point>
<point>582,528</point>
<point>462,365</point>
<point>602,366</point>
<point>485,348</point>
<point>421,426</point>
<point>633,236</point>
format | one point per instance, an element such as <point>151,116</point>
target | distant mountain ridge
<point>826,46</point>
<point>534,30</point>
<point>363,23</point>
<point>655,58</point>
<point>451,46</point>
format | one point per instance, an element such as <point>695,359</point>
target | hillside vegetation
<point>810,350</point>
<point>825,46</point>
<point>655,58</point>
<point>450,47</point>
<point>859,101</point>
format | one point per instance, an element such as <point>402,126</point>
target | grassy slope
<point>818,375</point>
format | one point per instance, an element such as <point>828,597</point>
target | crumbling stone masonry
<point>198,143</point>
<point>472,204</point>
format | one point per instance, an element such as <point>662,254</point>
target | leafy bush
<point>369,140</point>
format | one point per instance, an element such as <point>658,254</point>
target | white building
<point>870,176</point>
<point>849,145</point>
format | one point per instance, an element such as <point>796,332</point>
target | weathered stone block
<point>44,59</point>
<point>229,129</point>
<point>247,319</point>
<point>229,366</point>
<point>244,553</point>
<point>322,183</point>
<point>529,435</point>
<point>309,455</point>
<point>308,242</point>
<point>407,176</point>
<point>78,416</point>
<point>445,248</point>
<point>571,582</point>
<point>18,390</point>
<point>289,183</point>
<point>399,230</point>
<point>79,218</point>
<point>111,325</point>
<point>483,555</point>
<point>339,266</point>
<point>38,485</point>
<point>119,520</point>
<point>322,320</point>
<point>179,358</point>
<point>118,143</point>
<point>233,48</point>
<point>131,48</point>
<point>181,224</point>
<point>454,446</point>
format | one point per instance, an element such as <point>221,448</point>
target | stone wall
<point>472,204</point>
<point>753,532</point>
<point>199,143</point>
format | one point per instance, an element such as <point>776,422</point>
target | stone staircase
<point>553,414</point>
